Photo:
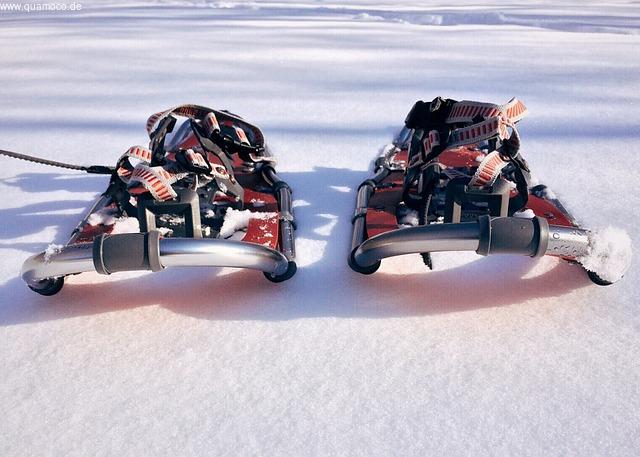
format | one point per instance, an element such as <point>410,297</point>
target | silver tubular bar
<point>72,259</point>
<point>569,242</point>
<point>80,258</point>
<point>426,238</point>
<point>187,252</point>
<point>500,235</point>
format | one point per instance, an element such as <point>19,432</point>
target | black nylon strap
<point>522,186</point>
<point>157,137</point>
<point>429,116</point>
<point>208,145</point>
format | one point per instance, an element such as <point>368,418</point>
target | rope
<point>97,169</point>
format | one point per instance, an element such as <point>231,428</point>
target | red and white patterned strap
<point>242,136</point>
<point>211,124</point>
<point>190,111</point>
<point>466,111</point>
<point>488,170</point>
<point>196,158</point>
<point>489,128</point>
<point>139,152</point>
<point>497,119</point>
<point>494,127</point>
<point>125,168</point>
<point>156,180</point>
<point>431,140</point>
<point>210,120</point>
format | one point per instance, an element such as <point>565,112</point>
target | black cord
<point>96,169</point>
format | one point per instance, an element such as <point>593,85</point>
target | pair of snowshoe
<point>205,193</point>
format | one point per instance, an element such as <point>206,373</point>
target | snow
<point>104,216</point>
<point>609,253</point>
<point>236,220</point>
<point>126,225</point>
<point>407,216</point>
<point>525,214</point>
<point>108,216</point>
<point>257,203</point>
<point>496,355</point>
<point>52,250</point>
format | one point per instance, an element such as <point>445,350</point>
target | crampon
<point>204,193</point>
<point>454,179</point>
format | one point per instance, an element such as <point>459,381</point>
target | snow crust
<point>495,355</point>
<point>609,253</point>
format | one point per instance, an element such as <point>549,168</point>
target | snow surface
<point>482,356</point>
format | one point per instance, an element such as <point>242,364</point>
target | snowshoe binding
<point>454,180</point>
<point>204,193</point>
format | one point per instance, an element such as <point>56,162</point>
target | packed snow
<point>481,356</point>
<point>52,250</point>
<point>609,253</point>
<point>105,216</point>
<point>237,220</point>
<point>126,225</point>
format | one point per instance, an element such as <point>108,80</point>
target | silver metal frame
<point>567,242</point>
<point>426,238</point>
<point>78,258</point>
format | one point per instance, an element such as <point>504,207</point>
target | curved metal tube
<point>426,238</point>
<point>78,258</point>
<point>188,252</point>
<point>567,242</point>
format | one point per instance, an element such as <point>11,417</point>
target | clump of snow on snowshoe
<point>109,217</point>
<point>407,216</point>
<point>105,216</point>
<point>609,254</point>
<point>52,250</point>
<point>236,220</point>
<point>126,225</point>
<point>525,214</point>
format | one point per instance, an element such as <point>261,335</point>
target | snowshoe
<point>204,193</point>
<point>454,180</point>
